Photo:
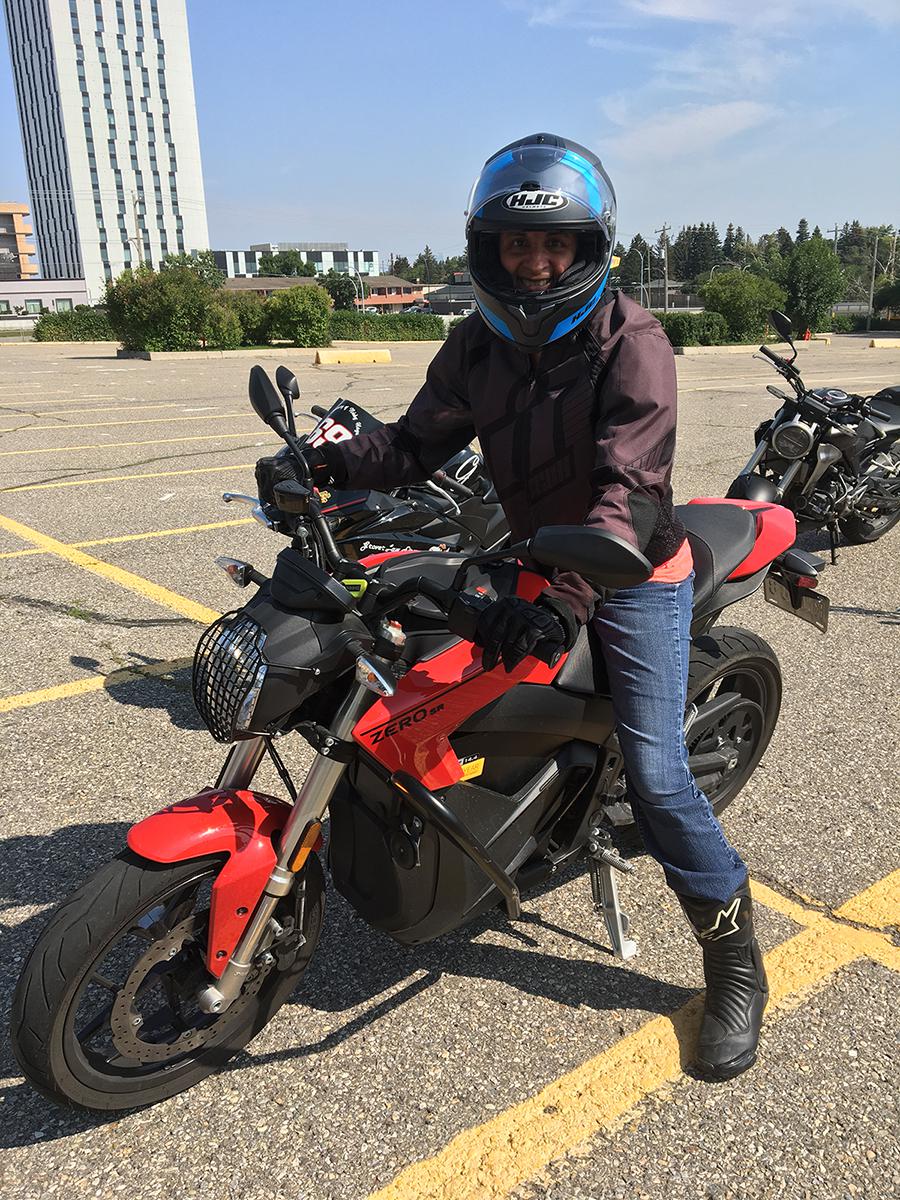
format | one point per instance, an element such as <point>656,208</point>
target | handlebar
<point>462,610</point>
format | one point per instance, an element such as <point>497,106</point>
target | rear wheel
<point>860,528</point>
<point>105,1014</point>
<point>734,681</point>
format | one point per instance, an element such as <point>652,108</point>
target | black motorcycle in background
<point>456,509</point>
<point>830,457</point>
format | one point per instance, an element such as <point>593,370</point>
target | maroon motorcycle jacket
<point>586,436</point>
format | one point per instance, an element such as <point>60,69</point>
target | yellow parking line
<point>487,1162</point>
<point>38,487</point>
<point>95,683</point>
<point>231,416</point>
<point>134,583</point>
<point>134,537</point>
<point>878,906</point>
<point>197,437</point>
<point>77,412</point>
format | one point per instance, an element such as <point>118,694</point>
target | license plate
<point>813,607</point>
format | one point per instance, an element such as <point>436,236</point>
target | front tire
<point>104,1015</point>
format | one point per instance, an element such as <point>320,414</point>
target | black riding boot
<point>736,985</point>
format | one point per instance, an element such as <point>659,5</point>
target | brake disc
<point>126,1022</point>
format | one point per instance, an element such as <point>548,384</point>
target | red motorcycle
<point>448,788</point>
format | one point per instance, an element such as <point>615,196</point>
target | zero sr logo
<point>404,722</point>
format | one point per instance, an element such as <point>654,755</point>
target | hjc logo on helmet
<point>535,200</point>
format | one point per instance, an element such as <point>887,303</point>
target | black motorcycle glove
<point>511,628</point>
<point>282,467</point>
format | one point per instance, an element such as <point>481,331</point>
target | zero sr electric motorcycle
<point>448,789</point>
<point>830,457</point>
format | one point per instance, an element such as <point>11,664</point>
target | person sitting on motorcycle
<point>571,390</point>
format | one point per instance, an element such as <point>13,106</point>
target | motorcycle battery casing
<point>528,772</point>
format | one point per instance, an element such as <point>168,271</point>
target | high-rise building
<point>106,105</point>
<point>16,247</point>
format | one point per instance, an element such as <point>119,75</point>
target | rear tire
<point>860,531</point>
<point>134,901</point>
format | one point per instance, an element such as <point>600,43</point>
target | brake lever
<point>256,509</point>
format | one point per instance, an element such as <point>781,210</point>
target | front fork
<point>312,801</point>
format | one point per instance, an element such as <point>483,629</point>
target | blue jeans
<point>645,634</point>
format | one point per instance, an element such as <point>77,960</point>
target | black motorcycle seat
<point>721,537</point>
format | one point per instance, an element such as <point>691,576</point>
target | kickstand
<point>833,541</point>
<point>603,864</point>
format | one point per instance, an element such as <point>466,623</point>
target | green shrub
<point>250,310</point>
<point>456,321</point>
<point>694,329</point>
<point>400,327</point>
<point>82,324</point>
<point>877,326</point>
<point>837,323</point>
<point>300,314</point>
<point>221,327</point>
<point>166,310</point>
<point>744,300</point>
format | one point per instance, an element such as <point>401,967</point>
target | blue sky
<point>366,122</point>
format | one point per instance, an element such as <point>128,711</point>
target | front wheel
<point>105,1014</point>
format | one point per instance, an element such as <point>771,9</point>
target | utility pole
<point>664,242</point>
<point>872,285</point>
<point>835,232</point>
<point>138,245</point>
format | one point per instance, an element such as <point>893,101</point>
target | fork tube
<point>312,800</point>
<point>240,766</point>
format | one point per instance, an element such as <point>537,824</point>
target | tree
<point>427,268</point>
<point>887,297</point>
<point>159,310</point>
<point>201,263</point>
<point>400,267</point>
<point>814,281</point>
<point>744,300</point>
<point>802,232</point>
<point>285,262</point>
<point>817,232</point>
<point>785,242</point>
<point>300,314</point>
<point>632,270</point>
<point>728,243</point>
<point>252,314</point>
<point>341,289</point>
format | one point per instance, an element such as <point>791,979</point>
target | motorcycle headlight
<point>794,439</point>
<point>229,673</point>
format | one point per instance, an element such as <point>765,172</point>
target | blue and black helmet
<point>540,182</point>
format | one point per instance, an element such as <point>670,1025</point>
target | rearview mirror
<point>266,401</point>
<point>287,383</point>
<point>782,325</point>
<point>596,556</point>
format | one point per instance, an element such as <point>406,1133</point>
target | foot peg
<point>603,863</point>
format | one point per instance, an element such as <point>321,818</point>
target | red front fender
<point>241,824</point>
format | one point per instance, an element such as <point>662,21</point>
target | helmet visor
<point>559,175</point>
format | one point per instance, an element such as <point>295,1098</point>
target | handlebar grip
<point>462,619</point>
<point>442,479</point>
<point>318,411</point>
<point>776,358</point>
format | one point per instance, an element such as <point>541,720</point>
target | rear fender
<point>240,824</point>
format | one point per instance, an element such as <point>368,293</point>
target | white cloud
<point>690,130</point>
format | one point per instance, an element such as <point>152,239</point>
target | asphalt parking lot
<point>501,1060</point>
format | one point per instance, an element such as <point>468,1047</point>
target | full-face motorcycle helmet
<point>541,182</point>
